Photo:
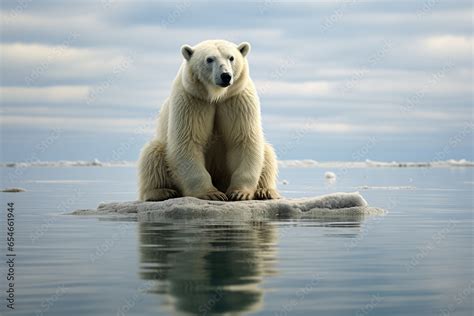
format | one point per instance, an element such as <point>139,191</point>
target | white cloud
<point>271,122</point>
<point>40,64</point>
<point>111,124</point>
<point>448,45</point>
<point>412,85</point>
<point>32,109</point>
<point>413,18</point>
<point>279,88</point>
<point>71,53</point>
<point>88,59</point>
<point>93,30</point>
<point>300,124</point>
<point>55,94</point>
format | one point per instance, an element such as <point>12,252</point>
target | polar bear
<point>209,142</point>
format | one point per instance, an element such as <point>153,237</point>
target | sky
<point>338,80</point>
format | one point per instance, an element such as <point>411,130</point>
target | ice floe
<point>330,175</point>
<point>12,190</point>
<point>336,205</point>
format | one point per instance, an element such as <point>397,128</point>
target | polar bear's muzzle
<point>225,79</point>
<point>222,73</point>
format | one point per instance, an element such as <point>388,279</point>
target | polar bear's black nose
<point>226,77</point>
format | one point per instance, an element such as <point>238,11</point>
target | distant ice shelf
<point>68,163</point>
<point>375,164</point>
<point>307,163</point>
<point>391,188</point>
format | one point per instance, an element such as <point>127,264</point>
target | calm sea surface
<point>416,260</point>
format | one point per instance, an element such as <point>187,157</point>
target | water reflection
<point>208,268</point>
<point>202,268</point>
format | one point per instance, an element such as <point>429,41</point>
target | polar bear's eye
<point>231,58</point>
<point>209,60</point>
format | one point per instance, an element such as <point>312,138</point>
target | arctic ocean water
<point>416,260</point>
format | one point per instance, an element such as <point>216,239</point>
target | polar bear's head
<point>220,66</point>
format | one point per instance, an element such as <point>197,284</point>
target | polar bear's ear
<point>187,51</point>
<point>244,48</point>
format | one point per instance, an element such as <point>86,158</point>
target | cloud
<point>96,124</point>
<point>279,88</point>
<point>55,94</point>
<point>316,125</point>
<point>144,125</point>
<point>450,46</point>
<point>29,28</point>
<point>64,64</point>
<point>40,65</point>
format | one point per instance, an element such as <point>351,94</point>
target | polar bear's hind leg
<point>154,180</point>
<point>266,189</point>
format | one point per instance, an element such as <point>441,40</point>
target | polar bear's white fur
<point>209,138</point>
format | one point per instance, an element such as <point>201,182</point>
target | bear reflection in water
<point>208,268</point>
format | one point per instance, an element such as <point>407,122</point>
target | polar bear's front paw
<point>239,195</point>
<point>214,195</point>
<point>266,194</point>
